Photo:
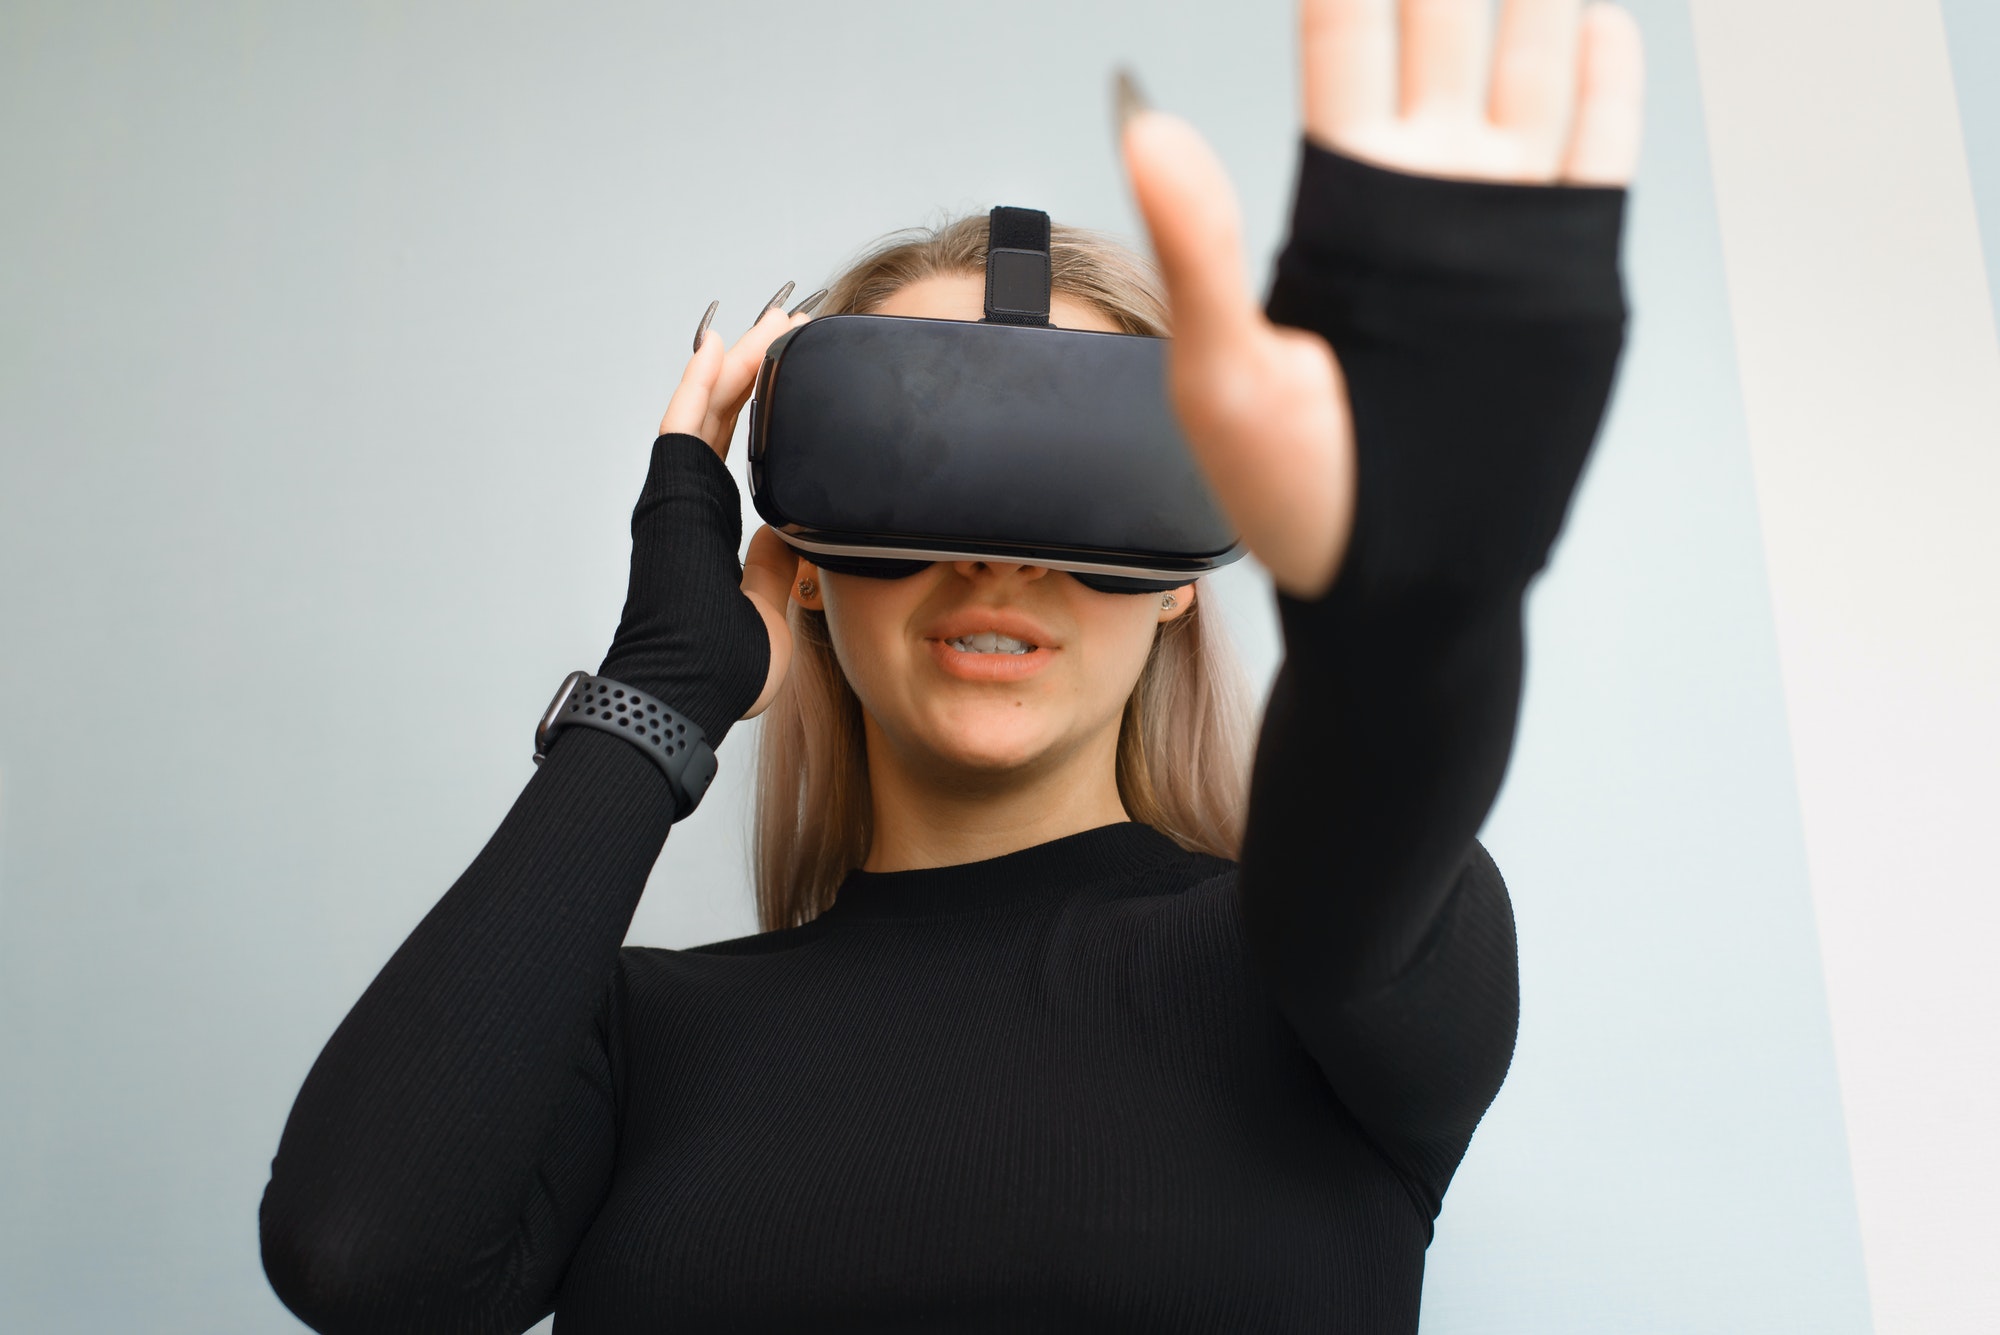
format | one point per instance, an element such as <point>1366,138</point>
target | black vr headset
<point>879,444</point>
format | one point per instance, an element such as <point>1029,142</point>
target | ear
<point>809,578</point>
<point>1183,599</point>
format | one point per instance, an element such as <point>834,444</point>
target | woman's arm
<point>1398,442</point>
<point>454,1139</point>
<point>1478,327</point>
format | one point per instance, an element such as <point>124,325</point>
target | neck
<point>928,813</point>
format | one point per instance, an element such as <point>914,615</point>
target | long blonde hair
<point>1184,740</point>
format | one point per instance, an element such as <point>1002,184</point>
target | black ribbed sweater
<point>1100,1084</point>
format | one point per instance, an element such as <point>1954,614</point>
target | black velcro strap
<point>1017,266</point>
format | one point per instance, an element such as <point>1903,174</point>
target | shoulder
<point>1187,905</point>
<point>1171,879</point>
<point>653,961</point>
<point>1479,876</point>
<point>760,943</point>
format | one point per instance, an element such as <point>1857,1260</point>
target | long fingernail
<point>702,328</point>
<point>1126,99</point>
<point>778,300</point>
<point>809,305</point>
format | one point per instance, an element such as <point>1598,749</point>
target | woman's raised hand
<point>1419,86</point>
<point>718,381</point>
<point>707,402</point>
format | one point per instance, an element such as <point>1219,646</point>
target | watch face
<point>563,693</point>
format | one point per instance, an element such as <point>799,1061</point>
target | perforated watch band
<point>670,740</point>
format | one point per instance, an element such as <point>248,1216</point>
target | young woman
<point>1045,1031</point>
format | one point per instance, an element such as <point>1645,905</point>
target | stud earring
<point>807,588</point>
<point>1167,602</point>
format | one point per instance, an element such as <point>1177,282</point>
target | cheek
<point>1117,638</point>
<point>865,619</point>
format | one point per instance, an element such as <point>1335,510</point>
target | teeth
<point>990,642</point>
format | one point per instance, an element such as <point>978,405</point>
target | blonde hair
<point>1184,739</point>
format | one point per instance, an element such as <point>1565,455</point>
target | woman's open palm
<point>1420,86</point>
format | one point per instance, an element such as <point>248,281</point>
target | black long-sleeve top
<point>1097,1084</point>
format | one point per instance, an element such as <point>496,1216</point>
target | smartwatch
<point>670,739</point>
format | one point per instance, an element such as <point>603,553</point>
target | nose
<point>974,570</point>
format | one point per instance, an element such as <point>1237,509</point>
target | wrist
<point>674,743</point>
<point>710,669</point>
<point>1478,327</point>
<point>688,634</point>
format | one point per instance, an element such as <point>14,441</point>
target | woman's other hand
<point>717,382</point>
<point>707,402</point>
<point>1405,86</point>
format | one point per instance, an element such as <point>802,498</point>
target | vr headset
<point>879,444</point>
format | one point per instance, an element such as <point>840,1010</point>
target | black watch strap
<point>670,739</point>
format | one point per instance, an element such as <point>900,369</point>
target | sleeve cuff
<point>1478,325</point>
<point>684,469</point>
<point>1357,228</point>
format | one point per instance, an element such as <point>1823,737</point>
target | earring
<point>1167,602</point>
<point>807,588</point>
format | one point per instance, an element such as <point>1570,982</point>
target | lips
<point>990,667</point>
<point>1000,620</point>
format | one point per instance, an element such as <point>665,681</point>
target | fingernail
<point>809,305</point>
<point>1126,99</point>
<point>702,328</point>
<point>778,300</point>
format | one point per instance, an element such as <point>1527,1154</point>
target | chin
<point>992,740</point>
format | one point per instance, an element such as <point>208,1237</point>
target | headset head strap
<point>1017,267</point>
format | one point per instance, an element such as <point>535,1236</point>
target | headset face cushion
<point>871,567</point>
<point>874,567</point>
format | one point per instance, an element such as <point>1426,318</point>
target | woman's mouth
<point>990,656</point>
<point>990,642</point>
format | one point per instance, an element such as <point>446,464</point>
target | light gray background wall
<point>1848,170</point>
<point>331,340</point>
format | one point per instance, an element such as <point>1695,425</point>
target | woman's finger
<point>1444,54</point>
<point>746,355</point>
<point>687,410</point>
<point>1611,94</point>
<point>1190,211</point>
<point>739,373</point>
<point>1348,49</point>
<point>768,571</point>
<point>1535,75</point>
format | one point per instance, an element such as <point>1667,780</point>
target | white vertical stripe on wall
<point>1871,375</point>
